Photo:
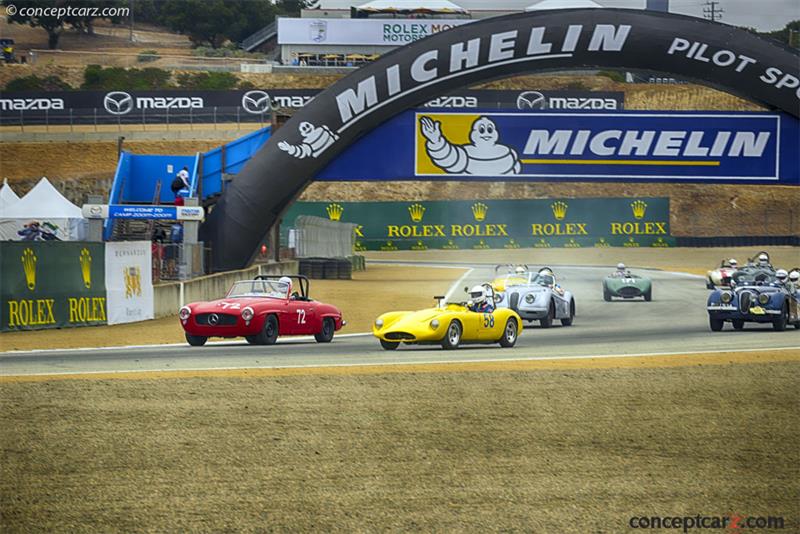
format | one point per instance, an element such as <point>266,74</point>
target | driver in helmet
<point>288,281</point>
<point>520,270</point>
<point>782,279</point>
<point>733,264</point>
<point>478,300</point>
<point>794,283</point>
<point>763,261</point>
<point>621,270</point>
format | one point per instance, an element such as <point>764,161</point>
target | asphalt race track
<point>674,322</point>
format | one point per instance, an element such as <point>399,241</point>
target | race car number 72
<point>301,317</point>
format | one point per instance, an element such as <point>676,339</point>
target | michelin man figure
<point>315,140</point>
<point>483,156</point>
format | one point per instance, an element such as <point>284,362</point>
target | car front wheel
<point>389,345</point>
<point>196,341</point>
<point>567,321</point>
<point>268,334</point>
<point>326,335</point>
<point>452,338</point>
<point>547,321</point>
<point>715,324</point>
<point>509,338</point>
<point>779,323</point>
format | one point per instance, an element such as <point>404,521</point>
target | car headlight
<point>763,298</point>
<point>529,298</point>
<point>726,297</point>
<point>247,314</point>
<point>435,324</point>
<point>184,313</point>
<point>379,323</point>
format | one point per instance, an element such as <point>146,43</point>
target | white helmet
<point>286,280</point>
<point>732,262</point>
<point>763,258</point>
<point>620,266</point>
<point>520,269</point>
<point>781,274</point>
<point>477,294</point>
<point>794,276</point>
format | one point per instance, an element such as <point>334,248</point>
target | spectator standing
<point>181,181</point>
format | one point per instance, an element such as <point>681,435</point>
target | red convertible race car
<point>260,310</point>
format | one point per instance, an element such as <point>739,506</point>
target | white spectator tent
<point>7,197</point>
<point>44,205</point>
<point>411,6</point>
<point>562,4</point>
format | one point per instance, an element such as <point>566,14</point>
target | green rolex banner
<point>49,284</point>
<point>498,224</point>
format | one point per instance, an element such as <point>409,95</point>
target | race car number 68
<point>488,320</point>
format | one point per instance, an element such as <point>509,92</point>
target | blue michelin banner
<point>619,146</point>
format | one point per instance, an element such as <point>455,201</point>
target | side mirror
<point>466,289</point>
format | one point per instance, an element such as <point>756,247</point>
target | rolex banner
<point>51,284</point>
<point>129,281</point>
<point>497,224</point>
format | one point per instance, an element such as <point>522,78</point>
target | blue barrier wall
<point>236,154</point>
<point>721,147</point>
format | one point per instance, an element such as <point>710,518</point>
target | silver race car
<point>537,297</point>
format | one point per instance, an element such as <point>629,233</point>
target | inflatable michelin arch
<point>713,54</point>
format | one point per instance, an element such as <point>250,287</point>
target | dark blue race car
<point>755,296</point>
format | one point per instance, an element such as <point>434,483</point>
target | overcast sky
<point>764,15</point>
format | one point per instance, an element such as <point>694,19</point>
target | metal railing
<point>260,36</point>
<point>141,60</point>
<point>179,261</point>
<point>97,119</point>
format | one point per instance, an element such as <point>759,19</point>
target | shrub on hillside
<point>209,81</point>
<point>96,77</point>
<point>146,56</point>
<point>36,83</point>
<point>613,74</point>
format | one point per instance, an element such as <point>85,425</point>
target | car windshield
<point>753,276</point>
<point>259,288</point>
<point>547,280</point>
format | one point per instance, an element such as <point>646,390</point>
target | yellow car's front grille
<point>400,336</point>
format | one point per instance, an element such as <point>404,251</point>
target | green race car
<point>627,286</point>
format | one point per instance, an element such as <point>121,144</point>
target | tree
<point>53,22</point>
<point>291,8</point>
<point>214,22</point>
<point>53,25</point>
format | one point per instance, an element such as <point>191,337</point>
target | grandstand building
<point>344,33</point>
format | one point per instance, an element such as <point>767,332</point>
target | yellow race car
<point>513,276</point>
<point>450,325</point>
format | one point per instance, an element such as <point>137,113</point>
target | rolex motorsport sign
<point>497,224</point>
<point>51,284</point>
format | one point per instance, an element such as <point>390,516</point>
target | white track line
<point>402,363</point>
<point>287,340</point>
